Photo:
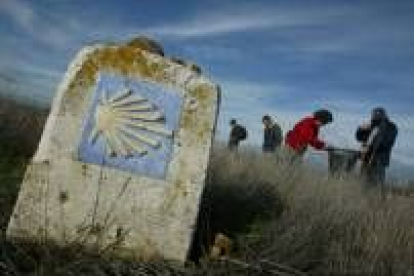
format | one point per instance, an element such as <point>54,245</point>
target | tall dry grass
<point>322,225</point>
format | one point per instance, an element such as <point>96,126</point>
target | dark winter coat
<point>381,144</point>
<point>237,134</point>
<point>273,137</point>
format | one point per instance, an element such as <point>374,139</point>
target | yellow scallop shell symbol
<point>120,120</point>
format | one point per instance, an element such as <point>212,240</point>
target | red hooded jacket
<point>304,133</point>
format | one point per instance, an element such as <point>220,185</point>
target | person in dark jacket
<point>305,133</point>
<point>237,133</point>
<point>377,138</point>
<point>272,134</point>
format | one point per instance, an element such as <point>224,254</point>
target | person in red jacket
<point>305,133</point>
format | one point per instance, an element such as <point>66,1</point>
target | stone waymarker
<point>122,161</point>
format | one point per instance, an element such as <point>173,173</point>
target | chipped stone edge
<point>43,151</point>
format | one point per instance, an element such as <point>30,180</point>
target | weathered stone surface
<point>190,65</point>
<point>127,204</point>
<point>147,44</point>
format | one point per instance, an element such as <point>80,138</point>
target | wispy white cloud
<point>40,24</point>
<point>21,13</point>
<point>243,18</point>
<point>356,37</point>
<point>60,30</point>
<point>29,71</point>
<point>214,52</point>
<point>212,26</point>
<point>252,91</point>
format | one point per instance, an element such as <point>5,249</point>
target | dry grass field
<point>278,216</point>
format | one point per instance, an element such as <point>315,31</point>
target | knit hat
<point>324,116</point>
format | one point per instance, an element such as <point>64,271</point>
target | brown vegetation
<point>20,128</point>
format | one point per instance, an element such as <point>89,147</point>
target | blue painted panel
<point>155,163</point>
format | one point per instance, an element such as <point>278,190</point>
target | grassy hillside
<point>20,131</point>
<point>277,216</point>
<point>20,128</point>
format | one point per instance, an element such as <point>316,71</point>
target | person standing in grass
<point>272,135</point>
<point>238,133</point>
<point>377,138</point>
<point>305,133</point>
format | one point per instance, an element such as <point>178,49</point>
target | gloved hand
<point>365,125</point>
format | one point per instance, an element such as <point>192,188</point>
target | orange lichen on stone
<point>128,60</point>
<point>191,120</point>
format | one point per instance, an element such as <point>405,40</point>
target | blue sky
<point>285,58</point>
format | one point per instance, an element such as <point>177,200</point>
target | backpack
<point>242,133</point>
